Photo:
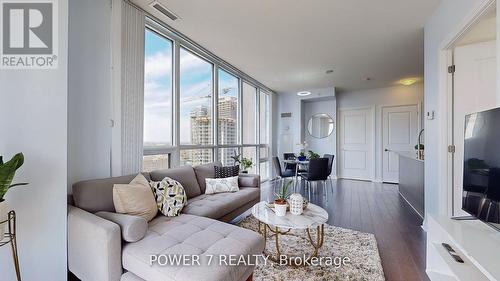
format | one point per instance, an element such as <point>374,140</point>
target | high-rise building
<point>201,131</point>
<point>228,122</point>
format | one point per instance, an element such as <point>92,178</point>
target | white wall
<point>89,90</point>
<point>445,21</point>
<point>292,126</point>
<point>378,98</point>
<point>33,120</point>
<point>327,145</point>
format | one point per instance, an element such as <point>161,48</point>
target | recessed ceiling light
<point>303,93</point>
<point>408,81</point>
<point>329,71</point>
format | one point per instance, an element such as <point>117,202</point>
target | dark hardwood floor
<point>375,208</point>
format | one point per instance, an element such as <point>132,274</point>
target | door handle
<point>387,149</point>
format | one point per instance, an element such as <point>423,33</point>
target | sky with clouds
<point>195,89</point>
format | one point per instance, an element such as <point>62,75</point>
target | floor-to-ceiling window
<point>198,111</point>
<point>158,105</point>
<point>195,109</point>
<point>264,134</point>
<point>228,130</point>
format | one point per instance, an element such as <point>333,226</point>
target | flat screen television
<point>481,182</point>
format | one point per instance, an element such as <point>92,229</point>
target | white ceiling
<point>289,44</point>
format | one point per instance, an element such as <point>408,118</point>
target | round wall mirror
<point>320,125</point>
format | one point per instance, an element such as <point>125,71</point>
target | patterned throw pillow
<point>221,185</point>
<point>227,171</point>
<point>170,196</point>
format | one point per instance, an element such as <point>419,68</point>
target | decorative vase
<point>280,208</point>
<point>301,158</point>
<point>296,202</point>
<point>4,216</point>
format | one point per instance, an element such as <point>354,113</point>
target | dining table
<point>297,163</point>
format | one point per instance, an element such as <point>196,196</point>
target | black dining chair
<point>289,166</point>
<point>279,172</point>
<point>317,171</point>
<point>330,158</point>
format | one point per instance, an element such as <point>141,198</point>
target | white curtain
<point>132,88</point>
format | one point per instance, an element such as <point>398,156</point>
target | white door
<point>399,135</point>
<point>356,144</point>
<point>474,90</point>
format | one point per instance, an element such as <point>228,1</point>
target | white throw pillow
<point>170,196</point>
<point>135,198</point>
<point>221,185</point>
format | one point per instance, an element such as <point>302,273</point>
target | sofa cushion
<point>218,205</point>
<point>191,235</point>
<point>184,175</point>
<point>170,196</point>
<point>135,198</point>
<point>249,180</point>
<point>205,171</point>
<point>97,195</point>
<point>227,171</point>
<point>133,228</point>
<point>221,185</point>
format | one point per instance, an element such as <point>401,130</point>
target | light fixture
<point>303,93</point>
<point>408,81</point>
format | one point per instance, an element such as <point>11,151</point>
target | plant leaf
<point>7,172</point>
<point>18,184</point>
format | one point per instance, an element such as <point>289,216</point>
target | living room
<point>258,140</point>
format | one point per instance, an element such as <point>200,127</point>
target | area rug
<point>360,248</point>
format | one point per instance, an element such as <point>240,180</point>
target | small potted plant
<point>313,155</point>
<point>280,203</point>
<point>246,163</point>
<point>7,172</point>
<point>302,156</point>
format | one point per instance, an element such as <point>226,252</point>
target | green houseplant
<point>302,156</point>
<point>7,172</point>
<point>281,197</point>
<point>313,155</point>
<point>245,163</point>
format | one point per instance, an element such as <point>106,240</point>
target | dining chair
<point>279,172</point>
<point>330,158</point>
<point>317,171</point>
<point>288,156</point>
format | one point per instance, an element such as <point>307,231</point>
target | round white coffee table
<point>313,217</point>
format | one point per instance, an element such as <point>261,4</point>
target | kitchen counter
<point>411,155</point>
<point>411,181</point>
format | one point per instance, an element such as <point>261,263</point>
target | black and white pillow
<point>227,171</point>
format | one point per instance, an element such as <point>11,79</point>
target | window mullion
<point>215,112</point>
<point>176,121</point>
